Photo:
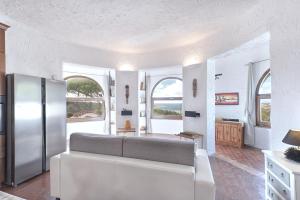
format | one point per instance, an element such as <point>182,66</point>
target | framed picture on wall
<point>227,98</point>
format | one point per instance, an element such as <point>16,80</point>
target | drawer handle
<point>282,174</point>
<point>270,165</point>
<point>272,194</point>
<point>272,180</point>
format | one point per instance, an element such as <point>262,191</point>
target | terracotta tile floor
<point>248,156</point>
<point>231,173</point>
<point>37,188</point>
<point>233,182</point>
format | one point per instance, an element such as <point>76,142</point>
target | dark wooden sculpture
<point>194,87</point>
<point>127,93</point>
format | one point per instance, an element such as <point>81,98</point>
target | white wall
<point>209,69</point>
<point>202,103</point>
<point>130,78</point>
<point>166,126</point>
<point>191,103</point>
<point>93,127</point>
<point>285,62</point>
<point>262,138</point>
<point>233,66</point>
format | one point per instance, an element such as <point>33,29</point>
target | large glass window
<point>167,99</point>
<point>85,100</point>
<point>263,101</point>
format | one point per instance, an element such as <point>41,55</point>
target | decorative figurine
<point>127,93</point>
<point>194,87</point>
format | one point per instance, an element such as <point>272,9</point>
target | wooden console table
<point>230,133</point>
<point>126,132</point>
<point>193,136</point>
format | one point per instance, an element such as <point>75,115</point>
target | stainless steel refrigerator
<point>36,125</point>
<point>54,115</point>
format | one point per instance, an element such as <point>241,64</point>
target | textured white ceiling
<point>128,26</point>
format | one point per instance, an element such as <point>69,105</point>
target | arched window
<point>166,99</point>
<point>85,100</point>
<point>263,100</point>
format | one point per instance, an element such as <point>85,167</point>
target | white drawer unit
<point>282,177</point>
<point>272,194</point>
<point>278,186</point>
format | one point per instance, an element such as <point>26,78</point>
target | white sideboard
<point>282,177</point>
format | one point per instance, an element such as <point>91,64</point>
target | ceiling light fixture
<point>126,67</point>
<point>191,60</point>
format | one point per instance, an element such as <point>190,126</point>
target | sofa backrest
<point>99,144</point>
<point>162,150</point>
<point>154,149</point>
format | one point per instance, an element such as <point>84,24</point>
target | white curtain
<point>250,107</point>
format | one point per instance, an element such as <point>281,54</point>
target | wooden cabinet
<point>2,74</point>
<point>230,133</point>
<point>2,40</point>
<point>2,93</point>
<point>2,59</point>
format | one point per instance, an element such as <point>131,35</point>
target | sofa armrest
<point>205,188</point>
<point>55,176</point>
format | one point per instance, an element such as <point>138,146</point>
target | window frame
<point>171,117</point>
<point>259,97</point>
<point>103,117</point>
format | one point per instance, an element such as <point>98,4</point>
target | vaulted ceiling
<point>128,26</point>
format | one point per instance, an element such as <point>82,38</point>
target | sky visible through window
<point>168,88</point>
<point>265,87</point>
<point>167,99</point>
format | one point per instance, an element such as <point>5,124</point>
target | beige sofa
<point>132,170</point>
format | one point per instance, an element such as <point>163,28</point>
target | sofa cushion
<point>99,144</point>
<point>162,150</point>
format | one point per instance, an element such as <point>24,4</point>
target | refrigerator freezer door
<point>55,119</point>
<point>25,134</point>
